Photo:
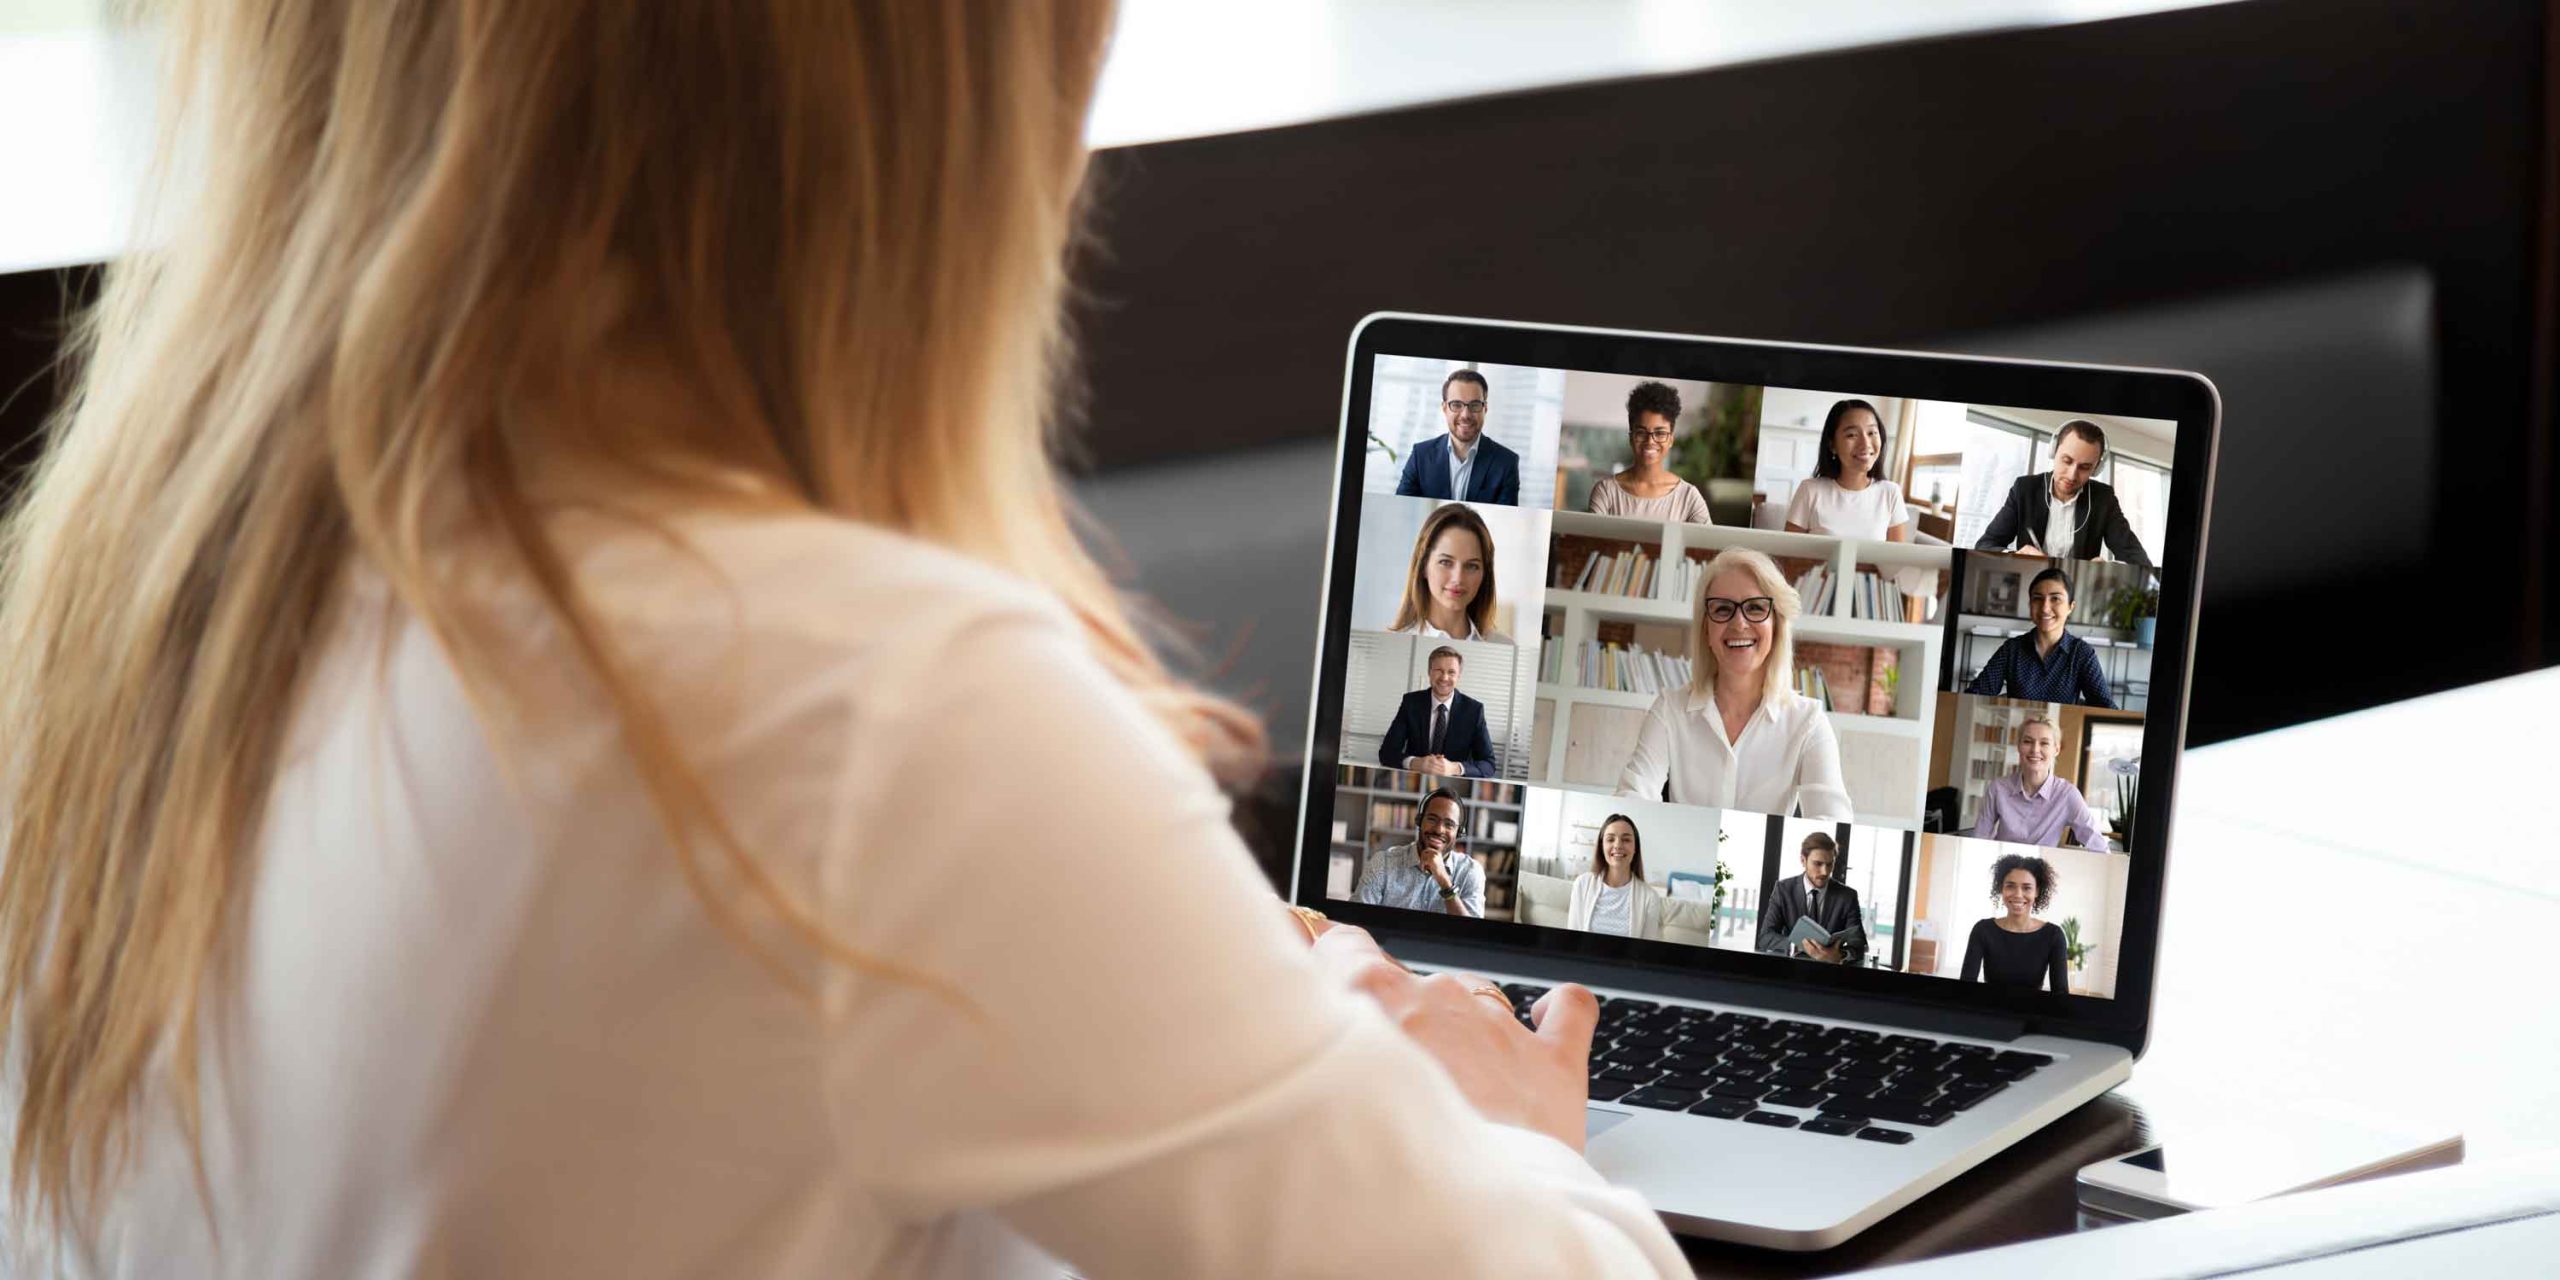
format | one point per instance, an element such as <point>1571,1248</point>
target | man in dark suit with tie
<point>1438,729</point>
<point>1815,895</point>
<point>1462,464</point>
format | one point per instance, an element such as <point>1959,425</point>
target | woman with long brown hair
<point>557,508</point>
<point>1449,588</point>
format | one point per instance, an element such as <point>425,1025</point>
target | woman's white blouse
<point>480,1024</point>
<point>1424,629</point>
<point>1786,761</point>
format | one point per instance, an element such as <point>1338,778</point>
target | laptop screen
<point>1832,675</point>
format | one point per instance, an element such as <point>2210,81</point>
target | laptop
<point>1819,708</point>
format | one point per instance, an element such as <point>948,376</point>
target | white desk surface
<point>2360,904</point>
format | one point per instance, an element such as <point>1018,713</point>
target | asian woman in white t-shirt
<point>1847,495</point>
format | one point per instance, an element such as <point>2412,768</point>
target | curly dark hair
<point>2037,867</point>
<point>1652,397</point>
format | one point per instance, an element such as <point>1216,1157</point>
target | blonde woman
<point>1614,897</point>
<point>1449,585</point>
<point>1739,736</point>
<point>561,508</point>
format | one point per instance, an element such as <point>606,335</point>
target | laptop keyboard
<point>1785,1073</point>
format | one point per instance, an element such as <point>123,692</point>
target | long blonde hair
<point>1778,670</point>
<point>421,238</point>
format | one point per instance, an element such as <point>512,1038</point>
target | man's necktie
<point>1439,726</point>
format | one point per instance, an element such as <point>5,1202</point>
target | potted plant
<point>1718,454</point>
<point>2073,949</point>
<point>2135,609</point>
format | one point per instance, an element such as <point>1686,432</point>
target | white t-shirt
<point>1613,911</point>
<point>480,1024</point>
<point>1822,506</point>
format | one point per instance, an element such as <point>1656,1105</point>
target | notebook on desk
<point>1684,595</point>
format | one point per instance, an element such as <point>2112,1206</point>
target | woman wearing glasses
<point>1737,737</point>
<point>1448,589</point>
<point>1847,495</point>
<point>1648,489</point>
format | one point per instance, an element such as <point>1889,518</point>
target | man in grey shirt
<point>1431,874</point>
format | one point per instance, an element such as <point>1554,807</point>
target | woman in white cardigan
<point>1614,897</point>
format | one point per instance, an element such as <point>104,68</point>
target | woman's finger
<point>1566,1015</point>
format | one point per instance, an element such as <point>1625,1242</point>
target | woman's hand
<point>1533,1080</point>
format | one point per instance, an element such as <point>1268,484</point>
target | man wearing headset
<point>2063,514</point>
<point>1430,874</point>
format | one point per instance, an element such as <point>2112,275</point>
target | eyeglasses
<point>1437,822</point>
<point>1462,406</point>
<point>1663,436</point>
<point>1755,609</point>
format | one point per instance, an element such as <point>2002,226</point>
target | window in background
<point>2142,489</point>
<point>1875,871</point>
<point>1404,409</point>
<point>2110,769</point>
<point>1996,453</point>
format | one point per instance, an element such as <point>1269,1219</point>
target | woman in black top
<point>2014,949</point>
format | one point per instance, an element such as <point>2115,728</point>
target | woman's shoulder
<point>1798,708</point>
<point>805,576</point>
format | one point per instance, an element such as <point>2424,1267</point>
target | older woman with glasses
<point>1647,489</point>
<point>1737,736</point>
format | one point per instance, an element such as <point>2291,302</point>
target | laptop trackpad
<point>1596,1122</point>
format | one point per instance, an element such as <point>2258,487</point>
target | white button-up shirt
<point>1424,629</point>
<point>1786,761</point>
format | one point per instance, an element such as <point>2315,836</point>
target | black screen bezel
<point>2185,398</point>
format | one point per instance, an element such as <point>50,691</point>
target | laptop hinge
<point>1799,1001</point>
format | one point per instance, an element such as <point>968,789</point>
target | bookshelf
<point>1374,809</point>
<point>1585,733</point>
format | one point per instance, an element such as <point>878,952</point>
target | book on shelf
<point>1815,589</point>
<point>1619,573</point>
<point>1810,683</point>
<point>1617,668</point>
<point>1878,596</point>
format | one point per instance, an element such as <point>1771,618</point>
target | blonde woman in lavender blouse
<point>1648,490</point>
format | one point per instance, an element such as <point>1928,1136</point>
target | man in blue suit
<point>1462,464</point>
<point>1438,729</point>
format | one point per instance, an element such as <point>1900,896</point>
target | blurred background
<point>2342,211</point>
